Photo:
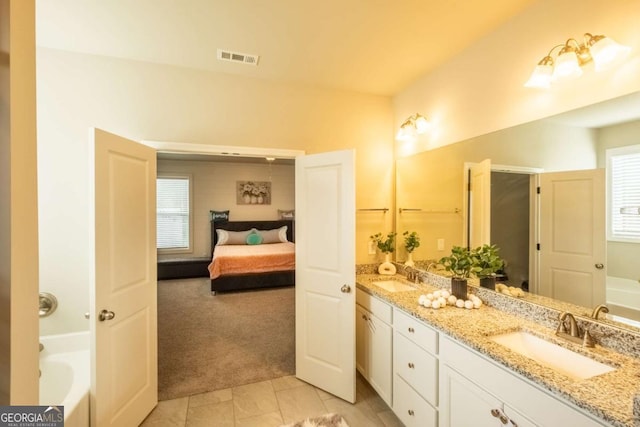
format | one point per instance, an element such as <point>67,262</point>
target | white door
<point>325,272</point>
<point>480,204</point>
<point>572,236</point>
<point>124,380</point>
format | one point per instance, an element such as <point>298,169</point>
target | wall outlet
<point>372,248</point>
<point>441,244</point>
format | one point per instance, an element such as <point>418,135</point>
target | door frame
<point>173,147</point>
<point>524,170</point>
<point>534,211</point>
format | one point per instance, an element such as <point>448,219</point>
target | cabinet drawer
<point>410,407</point>
<point>375,305</point>
<point>416,331</point>
<point>417,367</point>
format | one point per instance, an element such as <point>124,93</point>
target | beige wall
<point>214,185</point>
<point>145,101</point>
<point>18,206</point>
<point>481,90</point>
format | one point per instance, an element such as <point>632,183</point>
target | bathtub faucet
<point>601,308</point>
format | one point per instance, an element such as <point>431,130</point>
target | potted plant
<point>461,264</point>
<point>386,246</point>
<point>411,243</point>
<point>487,263</point>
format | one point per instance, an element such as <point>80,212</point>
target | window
<point>173,207</point>
<point>623,174</point>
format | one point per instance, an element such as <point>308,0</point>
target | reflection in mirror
<point>431,199</point>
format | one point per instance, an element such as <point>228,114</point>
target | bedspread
<point>244,259</point>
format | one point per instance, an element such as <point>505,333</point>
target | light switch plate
<point>372,248</point>
<point>441,244</point>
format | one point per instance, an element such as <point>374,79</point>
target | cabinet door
<point>464,404</point>
<point>361,341</point>
<point>380,350</point>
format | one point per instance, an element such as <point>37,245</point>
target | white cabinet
<point>410,407</point>
<point>473,388</point>
<point>374,343</point>
<point>466,404</point>
<point>415,367</point>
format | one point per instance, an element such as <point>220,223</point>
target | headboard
<point>247,225</point>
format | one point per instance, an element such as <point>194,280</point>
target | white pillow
<point>276,235</point>
<point>226,237</point>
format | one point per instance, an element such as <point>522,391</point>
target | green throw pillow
<point>254,239</point>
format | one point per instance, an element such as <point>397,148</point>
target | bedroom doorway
<point>186,308</point>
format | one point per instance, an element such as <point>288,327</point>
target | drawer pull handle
<point>504,419</point>
<point>410,411</point>
<point>411,330</point>
<point>411,365</point>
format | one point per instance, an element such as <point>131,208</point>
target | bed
<point>237,266</point>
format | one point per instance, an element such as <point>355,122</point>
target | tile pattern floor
<point>271,404</point>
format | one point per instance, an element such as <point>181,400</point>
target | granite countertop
<point>609,396</point>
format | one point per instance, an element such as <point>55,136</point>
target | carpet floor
<point>210,342</point>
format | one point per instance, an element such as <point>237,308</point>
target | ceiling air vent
<point>245,58</point>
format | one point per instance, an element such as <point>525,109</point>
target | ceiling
<point>369,46</point>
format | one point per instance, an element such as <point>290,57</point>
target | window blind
<point>624,206</point>
<point>172,206</point>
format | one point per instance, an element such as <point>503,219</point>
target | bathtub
<point>64,379</point>
<point>623,295</point>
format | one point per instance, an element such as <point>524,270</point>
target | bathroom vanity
<point>454,367</point>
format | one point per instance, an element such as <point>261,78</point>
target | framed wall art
<point>253,192</point>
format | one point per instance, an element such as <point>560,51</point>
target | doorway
<point>510,224</point>
<point>206,340</point>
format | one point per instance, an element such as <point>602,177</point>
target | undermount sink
<point>394,286</point>
<point>558,358</point>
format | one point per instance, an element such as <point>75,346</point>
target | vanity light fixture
<point>573,55</point>
<point>414,125</point>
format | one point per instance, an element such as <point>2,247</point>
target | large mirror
<point>432,199</point>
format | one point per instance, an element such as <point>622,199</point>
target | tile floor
<point>271,404</point>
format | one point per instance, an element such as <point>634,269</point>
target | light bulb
<point>606,52</point>
<point>567,65</point>
<point>541,77</point>
<point>421,123</point>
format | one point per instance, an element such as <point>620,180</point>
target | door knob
<point>599,266</point>
<point>106,315</point>
<point>345,289</point>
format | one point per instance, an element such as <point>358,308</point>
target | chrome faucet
<point>574,334</point>
<point>601,308</point>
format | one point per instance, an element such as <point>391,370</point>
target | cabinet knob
<point>410,411</point>
<point>411,365</point>
<point>495,412</point>
<point>364,317</point>
<point>411,330</point>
